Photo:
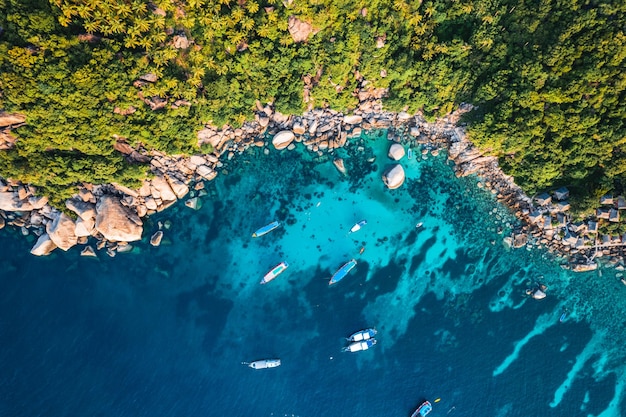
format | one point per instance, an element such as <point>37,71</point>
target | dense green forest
<point>548,77</point>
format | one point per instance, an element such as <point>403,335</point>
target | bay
<point>163,331</point>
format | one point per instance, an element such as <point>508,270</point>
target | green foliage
<point>548,77</point>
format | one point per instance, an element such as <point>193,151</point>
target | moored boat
<point>263,363</point>
<point>359,346</point>
<point>424,408</point>
<point>342,272</point>
<point>410,153</point>
<point>266,229</point>
<point>274,272</point>
<point>362,335</point>
<point>357,226</point>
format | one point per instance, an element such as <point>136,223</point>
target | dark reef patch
<point>419,257</point>
<point>457,267</point>
<point>202,306</point>
<point>386,278</point>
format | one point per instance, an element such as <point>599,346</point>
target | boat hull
<point>266,229</point>
<point>276,271</point>
<point>425,408</point>
<point>265,364</point>
<point>342,272</point>
<point>358,226</point>
<point>362,335</point>
<point>359,346</point>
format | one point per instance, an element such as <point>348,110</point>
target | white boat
<point>277,270</point>
<point>266,229</point>
<point>362,335</point>
<point>359,346</point>
<point>263,363</point>
<point>425,408</point>
<point>410,153</point>
<point>358,226</point>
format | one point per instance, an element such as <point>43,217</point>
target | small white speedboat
<point>359,346</point>
<point>274,272</point>
<point>358,226</point>
<point>263,363</point>
<point>362,335</point>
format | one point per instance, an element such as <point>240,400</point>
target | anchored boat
<point>263,363</point>
<point>425,408</point>
<point>358,226</point>
<point>342,272</point>
<point>359,346</point>
<point>266,229</point>
<point>362,335</point>
<point>277,270</point>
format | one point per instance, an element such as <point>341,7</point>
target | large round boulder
<point>396,152</point>
<point>394,176</point>
<point>62,231</point>
<point>283,139</point>
<point>116,222</point>
<point>43,246</point>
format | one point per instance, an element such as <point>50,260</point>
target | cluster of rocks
<point>7,122</point>
<point>99,214</point>
<point>581,240</point>
<point>177,177</point>
<point>111,214</point>
<point>546,221</point>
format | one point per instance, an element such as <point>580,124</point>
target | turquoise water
<point>164,331</point>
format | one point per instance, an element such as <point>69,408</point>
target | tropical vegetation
<point>547,77</point>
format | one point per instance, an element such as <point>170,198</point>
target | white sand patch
<point>593,347</point>
<point>541,325</point>
<point>614,408</point>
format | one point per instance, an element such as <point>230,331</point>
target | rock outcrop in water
<point>394,176</point>
<point>396,152</point>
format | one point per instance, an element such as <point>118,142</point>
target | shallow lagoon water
<point>164,331</point>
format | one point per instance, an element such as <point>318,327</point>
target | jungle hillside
<point>547,78</point>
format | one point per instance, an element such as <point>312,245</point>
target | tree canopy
<point>547,77</point>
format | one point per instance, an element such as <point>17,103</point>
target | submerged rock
<point>156,238</point>
<point>538,295</point>
<point>88,251</point>
<point>338,162</point>
<point>124,248</point>
<point>194,203</point>
<point>585,267</point>
<point>394,177</point>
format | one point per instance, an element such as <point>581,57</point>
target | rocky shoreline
<point>109,217</point>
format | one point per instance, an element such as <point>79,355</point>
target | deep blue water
<point>163,331</point>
